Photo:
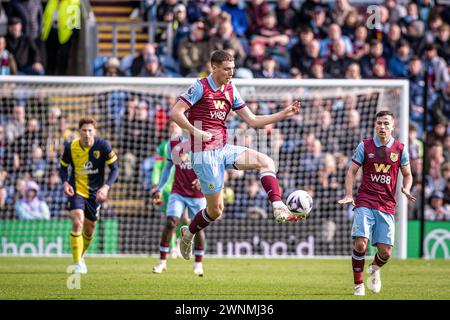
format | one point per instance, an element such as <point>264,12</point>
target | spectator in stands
<point>334,33</point>
<point>318,22</point>
<point>165,7</point>
<point>252,203</point>
<point>396,10</point>
<point>214,18</point>
<point>37,165</point>
<point>198,10</point>
<point>441,107</point>
<point>2,145</point>
<point>425,7</point>
<point>180,26</point>
<point>305,61</point>
<point>317,69</point>
<point>390,42</point>
<point>337,61</point>
<point>434,23</point>
<point>111,68</point>
<point>416,87</point>
<point>439,131</point>
<point>398,64</point>
<point>415,145</point>
<point>447,193</point>
<point>138,63</point>
<point>379,69</point>
<point>30,207</point>
<point>269,69</point>
<point>255,10</point>
<point>359,44</point>
<point>368,61</point>
<point>60,34</point>
<point>17,125</point>
<point>274,40</point>
<point>238,17</point>
<point>443,43</point>
<point>312,160</point>
<point>350,133</point>
<point>298,50</point>
<point>415,36</point>
<point>193,53</point>
<point>152,67</point>
<point>325,131</point>
<point>437,66</point>
<point>7,62</point>
<point>436,210</point>
<point>286,15</point>
<point>225,38</point>
<point>52,193</point>
<point>30,13</point>
<point>24,50</point>
<point>412,14</point>
<point>353,71</point>
<point>342,10</point>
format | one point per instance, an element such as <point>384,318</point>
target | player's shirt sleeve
<point>192,95</point>
<point>66,156</point>
<point>358,156</point>
<point>404,161</point>
<point>110,154</point>
<point>169,151</point>
<point>238,102</point>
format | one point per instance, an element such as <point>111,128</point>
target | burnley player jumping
<point>381,158</point>
<point>208,102</point>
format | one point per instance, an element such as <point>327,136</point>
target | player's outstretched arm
<point>259,121</point>
<point>407,182</point>
<point>349,181</point>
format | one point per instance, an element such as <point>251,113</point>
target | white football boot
<point>360,290</point>
<point>186,243</point>
<point>160,267</point>
<point>281,212</point>
<point>374,281</point>
<point>79,268</point>
<point>198,269</point>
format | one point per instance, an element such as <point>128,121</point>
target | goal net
<point>312,151</point>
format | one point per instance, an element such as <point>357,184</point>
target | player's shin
<point>200,221</point>
<point>76,246</point>
<point>87,240</point>
<point>358,260</point>
<point>270,184</point>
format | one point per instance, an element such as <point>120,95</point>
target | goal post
<point>312,151</point>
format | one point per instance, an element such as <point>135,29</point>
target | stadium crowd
<point>269,39</point>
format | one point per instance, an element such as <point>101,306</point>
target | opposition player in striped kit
<point>381,157</point>
<point>185,194</point>
<point>207,103</point>
<point>86,186</point>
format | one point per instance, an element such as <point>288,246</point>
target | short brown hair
<point>84,121</point>
<point>383,113</point>
<point>219,56</point>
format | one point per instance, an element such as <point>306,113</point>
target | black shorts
<point>90,206</point>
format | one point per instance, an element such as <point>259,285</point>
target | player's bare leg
<point>213,210</point>
<point>166,236</point>
<point>76,239</point>
<point>254,160</point>
<point>381,258</point>
<point>358,260</point>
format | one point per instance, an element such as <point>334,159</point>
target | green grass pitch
<point>224,279</point>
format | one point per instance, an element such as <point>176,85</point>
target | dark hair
<point>84,121</point>
<point>383,113</point>
<point>219,56</point>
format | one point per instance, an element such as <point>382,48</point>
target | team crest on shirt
<point>96,154</point>
<point>394,157</point>
<point>210,186</point>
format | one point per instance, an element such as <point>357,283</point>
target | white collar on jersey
<point>378,143</point>
<point>213,85</point>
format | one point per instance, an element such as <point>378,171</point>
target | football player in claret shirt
<point>381,159</point>
<point>185,194</point>
<point>207,103</point>
<point>85,186</point>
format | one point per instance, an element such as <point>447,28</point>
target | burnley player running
<point>185,194</point>
<point>208,102</point>
<point>381,158</point>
